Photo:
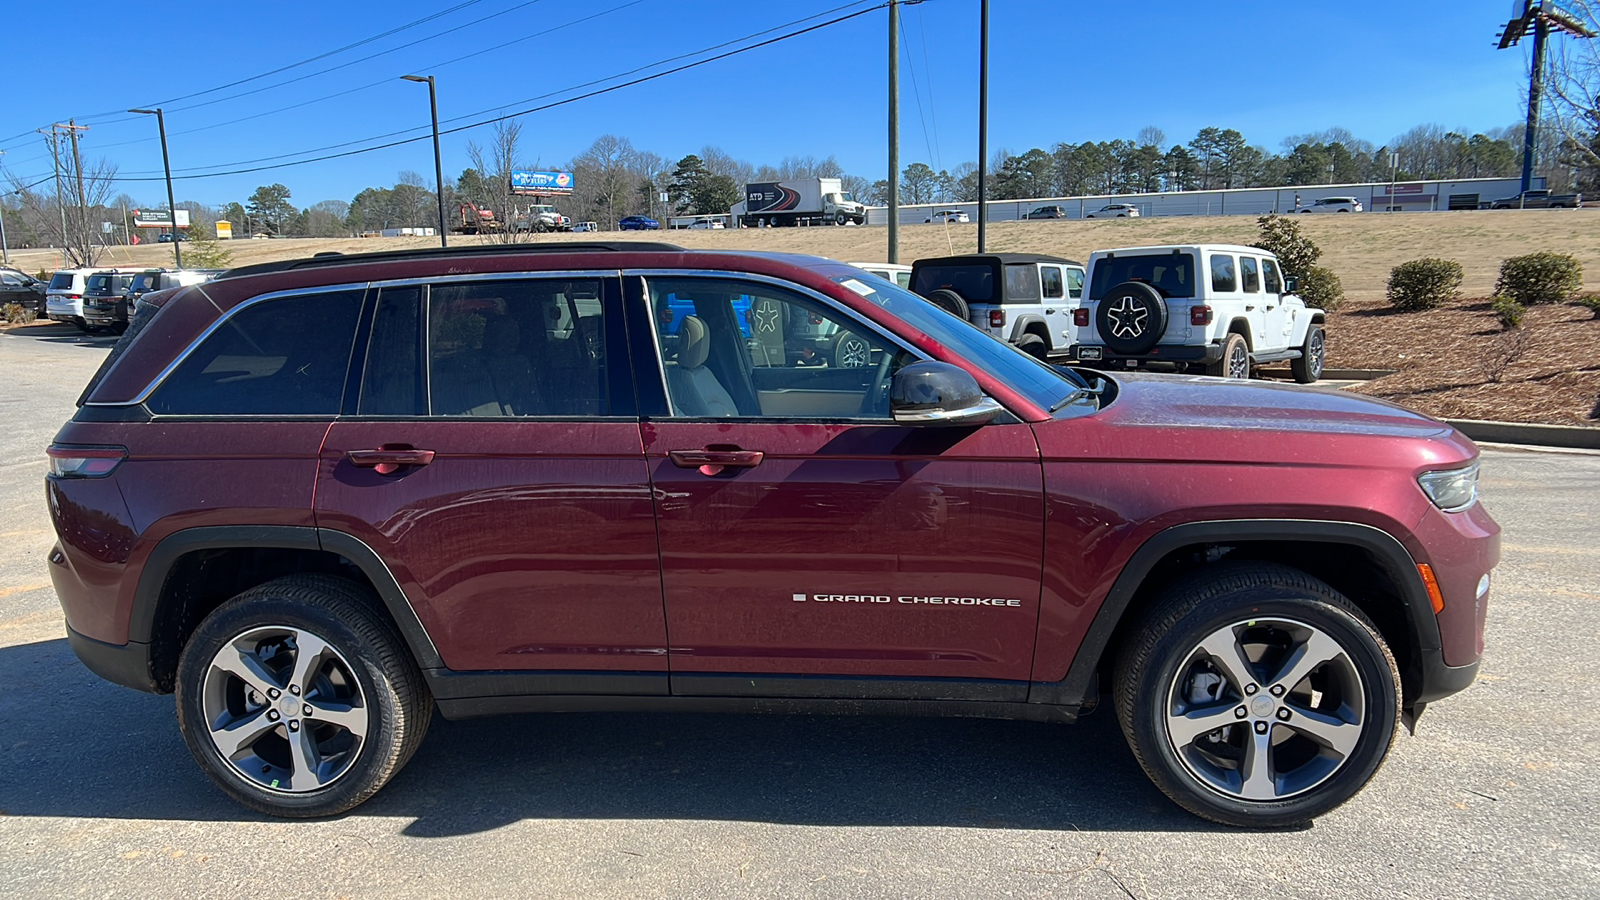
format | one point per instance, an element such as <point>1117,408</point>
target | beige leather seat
<point>695,390</point>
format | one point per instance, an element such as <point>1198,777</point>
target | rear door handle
<point>712,462</point>
<point>388,460</point>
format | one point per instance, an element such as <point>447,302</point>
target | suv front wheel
<point>298,699</point>
<point>1256,695</point>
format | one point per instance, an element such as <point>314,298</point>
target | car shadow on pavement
<point>72,745</point>
<point>62,334</point>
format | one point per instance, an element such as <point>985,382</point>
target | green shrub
<point>1281,236</point>
<point>1508,311</point>
<point>1320,288</point>
<point>14,314</point>
<point>1424,283</point>
<point>1591,302</point>
<point>1539,278</point>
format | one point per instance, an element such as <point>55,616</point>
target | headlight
<point>1452,490</point>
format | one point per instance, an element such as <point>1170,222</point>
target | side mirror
<point>1290,285</point>
<point>938,393</point>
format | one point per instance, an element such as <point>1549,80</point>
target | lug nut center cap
<point>289,706</point>
<point>1262,706</point>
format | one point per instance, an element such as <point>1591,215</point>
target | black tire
<point>1034,346</point>
<point>849,351</point>
<point>951,302</point>
<point>1159,670</point>
<point>392,693</point>
<point>1308,368</point>
<point>1131,317</point>
<point>840,218</point>
<point>1229,364</point>
<point>540,227</point>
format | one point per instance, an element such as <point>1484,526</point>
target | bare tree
<point>1572,85</point>
<point>495,164</point>
<point>69,218</point>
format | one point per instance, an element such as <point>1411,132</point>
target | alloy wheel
<point>1265,709</point>
<point>853,353</point>
<point>1315,352</point>
<point>1239,362</point>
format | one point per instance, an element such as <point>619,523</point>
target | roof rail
<point>332,258</point>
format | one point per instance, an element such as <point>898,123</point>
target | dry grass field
<point>1556,378</point>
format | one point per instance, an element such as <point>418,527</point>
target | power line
<point>916,91</point>
<point>927,66</point>
<point>591,83</point>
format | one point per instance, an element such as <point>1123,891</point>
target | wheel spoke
<point>1330,731</point>
<point>307,761</point>
<point>241,733</point>
<point>309,652</point>
<point>351,718</point>
<point>1258,782</point>
<point>1314,651</point>
<point>1224,649</point>
<point>1185,728</point>
<point>246,666</point>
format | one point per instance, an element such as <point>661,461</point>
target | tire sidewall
<point>1033,345</point>
<point>365,775</point>
<point>1379,684</point>
<point>1155,322</point>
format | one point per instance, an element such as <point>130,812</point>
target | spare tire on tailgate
<point>951,302</point>
<point>1131,317</point>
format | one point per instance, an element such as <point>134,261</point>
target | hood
<point>1201,402</point>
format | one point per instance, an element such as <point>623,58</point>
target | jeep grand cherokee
<point>319,499</point>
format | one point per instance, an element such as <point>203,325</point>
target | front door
<point>809,545</point>
<point>492,460</point>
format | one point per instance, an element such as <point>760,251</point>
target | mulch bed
<point>1458,362</point>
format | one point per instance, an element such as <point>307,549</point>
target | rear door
<point>810,546</point>
<point>490,456</point>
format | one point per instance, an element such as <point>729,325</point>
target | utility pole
<point>51,137</point>
<point>894,131</point>
<point>73,128</point>
<point>5,254</point>
<point>983,125</point>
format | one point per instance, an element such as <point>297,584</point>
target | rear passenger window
<point>516,348</point>
<point>1269,270</point>
<point>1252,278</point>
<point>281,357</point>
<point>1223,280</point>
<point>1075,283</point>
<point>1050,280</point>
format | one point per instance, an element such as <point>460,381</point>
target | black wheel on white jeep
<point>1033,345</point>
<point>951,302</point>
<point>1131,318</point>
<point>1256,695</point>
<point>1235,359</point>
<point>1308,367</point>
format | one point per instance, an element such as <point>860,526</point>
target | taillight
<point>84,462</point>
<point>1080,317</point>
<point>997,318</point>
<point>1199,315</point>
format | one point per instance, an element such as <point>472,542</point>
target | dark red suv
<point>318,498</point>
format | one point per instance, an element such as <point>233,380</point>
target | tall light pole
<point>5,254</point>
<point>983,125</point>
<point>438,163</point>
<point>894,132</point>
<point>166,164</point>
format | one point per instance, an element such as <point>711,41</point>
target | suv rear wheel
<point>1235,359</point>
<point>1256,695</point>
<point>298,699</point>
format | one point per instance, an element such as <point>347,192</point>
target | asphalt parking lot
<point>1495,796</point>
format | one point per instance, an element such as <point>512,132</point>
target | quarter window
<point>1075,283</point>
<point>281,357</point>
<point>1223,279</point>
<point>1252,277</point>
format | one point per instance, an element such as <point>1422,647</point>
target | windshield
<point>847,198</point>
<point>1041,383</point>
<point>1170,273</point>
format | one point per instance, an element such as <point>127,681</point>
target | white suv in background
<point>1333,204</point>
<point>1115,211</point>
<point>1217,309</point>
<point>64,297</point>
<point>1026,299</point>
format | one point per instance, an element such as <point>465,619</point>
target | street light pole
<point>438,163</point>
<point>894,132</point>
<point>983,125</point>
<point>166,164</point>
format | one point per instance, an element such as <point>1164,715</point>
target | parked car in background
<point>588,227</point>
<point>638,223</point>
<point>64,295</point>
<point>22,289</point>
<point>1333,204</point>
<point>948,215</point>
<point>1212,309</point>
<point>1540,199</point>
<point>893,272</point>
<point>322,499</point>
<point>1047,212</point>
<point>707,225</point>
<point>167,237</point>
<point>105,301</point>
<point>1115,211</point>
<point>1026,299</point>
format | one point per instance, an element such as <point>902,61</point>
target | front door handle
<point>1049,312</point>
<point>712,462</point>
<point>387,460</point>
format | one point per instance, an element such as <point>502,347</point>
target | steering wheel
<point>876,401</point>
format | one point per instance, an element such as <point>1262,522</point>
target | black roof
<point>1002,258</point>
<point>349,259</point>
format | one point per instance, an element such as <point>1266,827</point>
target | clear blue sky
<point>1061,70</point>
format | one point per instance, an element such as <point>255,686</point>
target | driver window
<point>739,349</point>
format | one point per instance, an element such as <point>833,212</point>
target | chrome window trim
<point>178,360</point>
<point>727,275</point>
<point>495,276</point>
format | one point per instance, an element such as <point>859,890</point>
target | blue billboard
<point>542,183</point>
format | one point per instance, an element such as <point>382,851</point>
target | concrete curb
<point>1571,436</point>
<point>1356,374</point>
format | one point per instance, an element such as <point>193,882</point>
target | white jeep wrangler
<point>1027,299</point>
<point>1220,309</point>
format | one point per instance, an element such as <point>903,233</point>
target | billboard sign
<point>541,183</point>
<point>159,218</point>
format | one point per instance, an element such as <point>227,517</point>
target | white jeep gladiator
<point>1218,309</point>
